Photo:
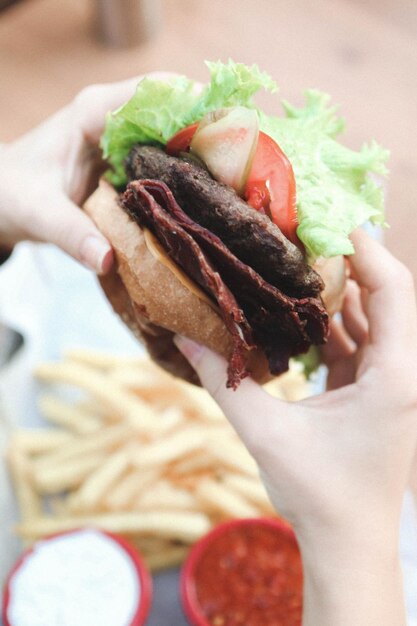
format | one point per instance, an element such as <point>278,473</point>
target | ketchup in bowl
<point>244,573</point>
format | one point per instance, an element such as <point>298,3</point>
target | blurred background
<point>363,52</point>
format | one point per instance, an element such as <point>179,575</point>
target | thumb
<point>249,409</point>
<point>69,228</point>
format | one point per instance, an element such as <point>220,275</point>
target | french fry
<point>100,480</point>
<point>98,411</point>
<point>172,447</point>
<point>148,544</point>
<point>68,416</point>
<point>53,479</point>
<point>172,556</point>
<point>108,392</point>
<point>29,502</point>
<point>39,440</point>
<point>187,527</point>
<point>121,495</point>
<point>160,553</point>
<point>170,418</point>
<point>220,498</point>
<point>193,464</point>
<point>166,496</point>
<point>190,439</point>
<point>94,443</point>
<point>163,389</point>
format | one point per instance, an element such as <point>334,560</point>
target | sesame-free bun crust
<point>150,298</point>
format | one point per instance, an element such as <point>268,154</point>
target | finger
<point>94,102</point>
<point>62,223</point>
<point>244,407</point>
<point>391,297</point>
<point>338,355</point>
<point>339,345</point>
<point>354,318</point>
<point>341,373</point>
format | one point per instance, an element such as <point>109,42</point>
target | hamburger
<point>230,226</point>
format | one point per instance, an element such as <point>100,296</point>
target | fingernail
<point>96,254</point>
<point>189,348</point>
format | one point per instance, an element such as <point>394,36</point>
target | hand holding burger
<point>50,170</point>
<point>336,465</point>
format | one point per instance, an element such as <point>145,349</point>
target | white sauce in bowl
<point>78,579</point>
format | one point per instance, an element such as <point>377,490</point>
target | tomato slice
<point>270,186</point>
<point>180,142</point>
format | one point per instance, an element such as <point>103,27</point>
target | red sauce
<point>251,576</point>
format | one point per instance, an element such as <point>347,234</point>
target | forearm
<point>353,586</point>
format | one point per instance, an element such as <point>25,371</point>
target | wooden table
<point>363,52</point>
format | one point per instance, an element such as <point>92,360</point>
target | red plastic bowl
<point>188,586</point>
<point>144,577</point>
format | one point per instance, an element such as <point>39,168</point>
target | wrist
<point>359,593</point>
<point>377,542</point>
<point>352,579</point>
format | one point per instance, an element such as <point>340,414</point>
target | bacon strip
<point>282,325</point>
<point>144,208</point>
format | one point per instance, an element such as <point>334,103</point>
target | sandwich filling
<point>268,182</point>
<point>267,295</point>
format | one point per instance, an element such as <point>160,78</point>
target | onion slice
<point>226,140</point>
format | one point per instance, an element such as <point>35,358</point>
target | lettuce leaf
<point>156,111</point>
<point>159,109</point>
<point>231,85</point>
<point>336,190</point>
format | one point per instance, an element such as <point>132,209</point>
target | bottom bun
<point>151,299</point>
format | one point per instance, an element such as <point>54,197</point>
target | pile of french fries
<point>135,451</point>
